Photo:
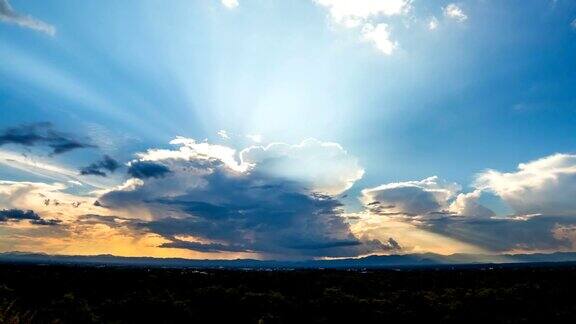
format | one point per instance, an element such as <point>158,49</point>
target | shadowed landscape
<point>531,293</point>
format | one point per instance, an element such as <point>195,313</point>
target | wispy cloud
<point>9,15</point>
<point>455,12</point>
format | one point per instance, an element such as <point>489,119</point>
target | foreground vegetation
<point>68,294</point>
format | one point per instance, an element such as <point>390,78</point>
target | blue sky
<point>409,89</point>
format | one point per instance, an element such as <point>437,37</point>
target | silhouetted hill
<point>373,261</point>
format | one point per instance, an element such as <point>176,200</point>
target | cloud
<point>364,14</point>
<point>544,186</point>
<point>230,4</point>
<point>271,200</point>
<point>433,23</point>
<point>321,166</point>
<point>19,215</point>
<point>41,134</point>
<point>8,15</point>
<point>573,24</point>
<point>467,204</point>
<point>379,35</point>
<point>455,12</point>
<point>99,168</point>
<point>223,134</point>
<point>354,13</point>
<point>426,197</point>
<point>509,235</point>
<point>147,169</point>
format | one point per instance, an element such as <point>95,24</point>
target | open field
<point>484,294</point>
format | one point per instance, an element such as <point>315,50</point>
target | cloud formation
<point>427,197</point>
<point>379,35</point>
<point>99,168</point>
<point>8,15</point>
<point>544,186</point>
<point>364,14</point>
<point>272,200</point>
<point>41,134</point>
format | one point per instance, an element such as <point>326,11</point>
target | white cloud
<point>455,12</point>
<point>433,23</point>
<point>191,149</point>
<point>224,134</point>
<point>365,14</point>
<point>230,4</point>
<point>8,15</point>
<point>573,24</point>
<point>466,204</point>
<point>325,167</point>
<point>353,13</point>
<point>545,186</point>
<point>411,198</point>
<point>379,35</point>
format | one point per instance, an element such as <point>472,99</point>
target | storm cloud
<point>213,200</point>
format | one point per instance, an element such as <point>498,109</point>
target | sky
<point>287,129</point>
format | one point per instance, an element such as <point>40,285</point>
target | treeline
<point>67,294</point>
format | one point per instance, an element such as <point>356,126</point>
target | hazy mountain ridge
<point>373,261</point>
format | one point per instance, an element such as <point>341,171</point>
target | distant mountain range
<point>386,261</point>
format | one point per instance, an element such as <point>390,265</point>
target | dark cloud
<point>8,15</point>
<point>147,169</point>
<point>46,222</point>
<point>99,168</point>
<point>203,247</point>
<point>222,209</point>
<point>536,233</point>
<point>41,134</point>
<point>19,215</point>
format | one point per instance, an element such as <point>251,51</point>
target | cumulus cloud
<point>546,186</point>
<point>41,134</point>
<point>426,197</point>
<point>455,12</point>
<point>8,15</point>
<point>467,204</point>
<point>573,24</point>
<point>322,166</point>
<point>272,200</point>
<point>99,168</point>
